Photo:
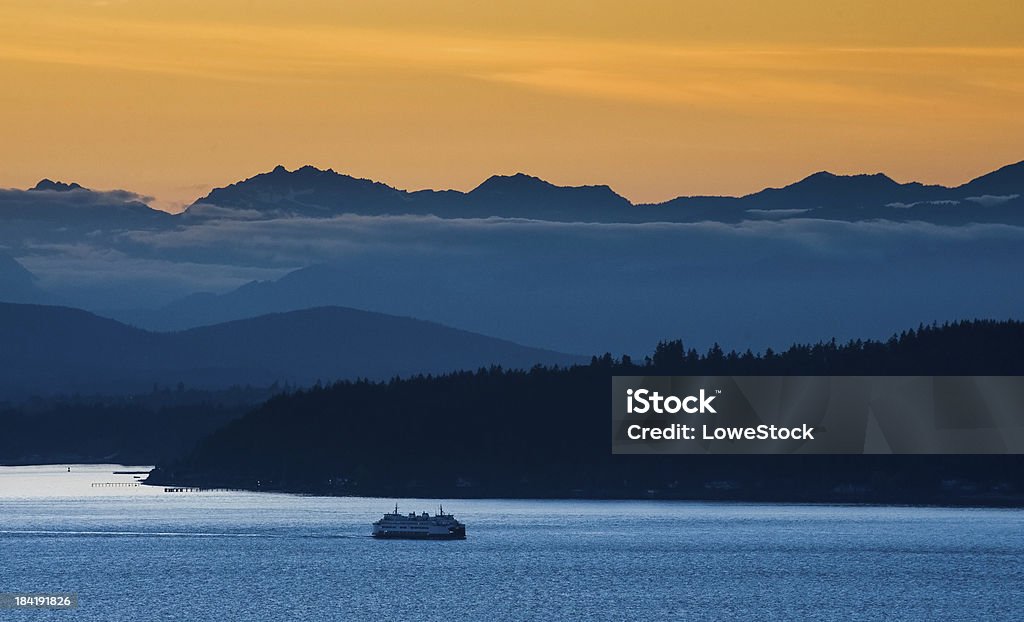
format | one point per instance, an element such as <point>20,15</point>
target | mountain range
<point>311,192</point>
<point>570,269</point>
<point>51,350</point>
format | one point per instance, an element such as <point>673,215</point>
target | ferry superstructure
<point>422,526</point>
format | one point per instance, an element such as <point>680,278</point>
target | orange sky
<point>656,98</point>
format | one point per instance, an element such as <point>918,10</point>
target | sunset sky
<point>656,98</point>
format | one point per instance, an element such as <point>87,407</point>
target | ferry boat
<point>423,526</point>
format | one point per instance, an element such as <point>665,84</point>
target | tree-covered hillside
<point>545,432</point>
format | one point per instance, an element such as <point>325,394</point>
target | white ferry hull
<point>455,534</point>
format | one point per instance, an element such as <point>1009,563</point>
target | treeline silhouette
<point>544,432</point>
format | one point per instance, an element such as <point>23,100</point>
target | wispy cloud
<point>301,241</point>
<point>639,71</point>
<point>90,273</point>
<point>624,286</point>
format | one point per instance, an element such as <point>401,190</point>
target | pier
<point>196,489</point>
<point>166,488</point>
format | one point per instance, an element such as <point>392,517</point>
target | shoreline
<point>1011,502</point>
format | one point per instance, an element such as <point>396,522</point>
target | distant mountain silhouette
<point>54,210</point>
<point>522,195</point>
<point>314,286</point>
<point>824,189</point>
<point>1006,181</point>
<point>867,197</point>
<point>56,186</point>
<point>50,350</point>
<point>312,192</point>
<point>16,283</point>
<point>110,253</point>
<point>307,191</point>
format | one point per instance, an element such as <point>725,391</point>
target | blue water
<point>142,554</point>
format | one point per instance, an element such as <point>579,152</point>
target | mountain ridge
<point>55,186</point>
<point>309,191</point>
<point>51,349</point>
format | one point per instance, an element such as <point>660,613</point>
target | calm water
<point>142,554</point>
